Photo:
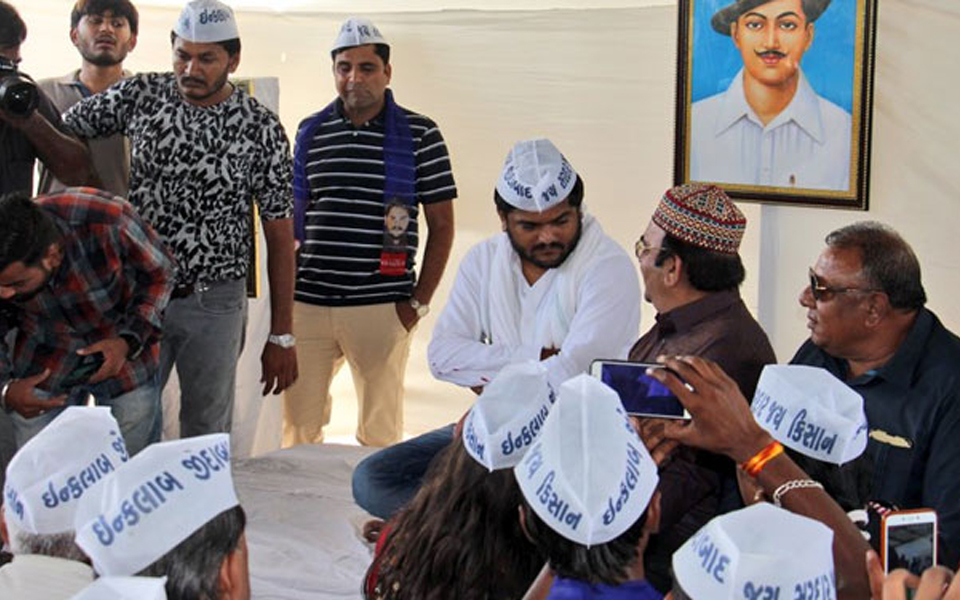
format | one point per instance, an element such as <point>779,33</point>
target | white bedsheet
<point>303,528</point>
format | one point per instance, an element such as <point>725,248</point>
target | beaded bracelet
<point>760,459</point>
<point>793,484</point>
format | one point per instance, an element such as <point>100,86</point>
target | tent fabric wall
<point>599,83</point>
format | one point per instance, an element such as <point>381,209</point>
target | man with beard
<point>551,287</point>
<point>83,280</point>
<point>203,151</point>
<point>104,32</point>
<point>365,169</point>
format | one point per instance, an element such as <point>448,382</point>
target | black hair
<point>12,28</point>
<point>606,563</point>
<point>26,230</point>
<point>707,270</point>
<point>119,8</point>
<point>381,50</point>
<point>192,568</point>
<point>888,262</point>
<point>232,46</point>
<point>574,198</point>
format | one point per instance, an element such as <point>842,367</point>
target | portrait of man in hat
<point>772,125</point>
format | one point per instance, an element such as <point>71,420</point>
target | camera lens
<point>18,96</point>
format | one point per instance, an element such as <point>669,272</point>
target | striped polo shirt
<point>339,261</point>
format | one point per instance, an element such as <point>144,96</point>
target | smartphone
<point>641,394</point>
<point>83,371</point>
<point>908,540</point>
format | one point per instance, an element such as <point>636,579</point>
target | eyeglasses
<point>822,293</point>
<point>641,247</point>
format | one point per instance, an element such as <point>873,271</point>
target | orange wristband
<point>760,459</point>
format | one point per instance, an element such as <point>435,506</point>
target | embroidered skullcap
<point>508,416</point>
<point>357,31</point>
<point>702,215</point>
<point>206,21</point>
<point>50,474</point>
<point>725,16</point>
<point>535,176</point>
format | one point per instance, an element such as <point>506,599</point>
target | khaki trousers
<point>375,344</point>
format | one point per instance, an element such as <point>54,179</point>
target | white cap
<point>588,477</point>
<point>535,177</point>
<point>811,411</point>
<point>509,414</point>
<point>206,21</point>
<point>357,31</point>
<point>157,500</point>
<point>757,552</point>
<point>124,588</point>
<point>64,462</point>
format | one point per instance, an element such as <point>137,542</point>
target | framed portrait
<point>775,97</point>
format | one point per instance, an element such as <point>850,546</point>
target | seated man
<point>45,479</point>
<point>171,512</point>
<point>551,287</point>
<point>691,268</point>
<point>869,328</point>
<point>590,502</point>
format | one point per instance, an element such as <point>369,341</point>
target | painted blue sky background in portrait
<point>828,64</point>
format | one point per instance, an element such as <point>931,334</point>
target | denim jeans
<point>203,336</point>
<point>137,412</point>
<point>386,480</point>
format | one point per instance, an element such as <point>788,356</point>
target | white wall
<point>600,83</point>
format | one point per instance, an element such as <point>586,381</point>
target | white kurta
<point>806,146</point>
<point>32,576</point>
<point>604,324</point>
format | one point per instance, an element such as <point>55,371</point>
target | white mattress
<point>303,528</point>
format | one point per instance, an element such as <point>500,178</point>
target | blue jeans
<point>203,336</point>
<point>137,412</point>
<point>386,480</point>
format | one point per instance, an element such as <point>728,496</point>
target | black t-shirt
<point>17,154</point>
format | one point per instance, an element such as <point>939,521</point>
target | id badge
<point>396,223</point>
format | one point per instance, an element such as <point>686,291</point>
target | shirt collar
<point>804,109</point>
<point>686,317</point>
<point>338,111</point>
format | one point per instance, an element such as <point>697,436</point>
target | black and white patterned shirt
<point>195,171</point>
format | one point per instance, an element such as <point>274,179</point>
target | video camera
<point>18,93</point>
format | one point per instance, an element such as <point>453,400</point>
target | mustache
<point>770,54</point>
<point>550,246</point>
<point>185,80</point>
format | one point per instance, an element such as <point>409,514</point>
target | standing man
<point>692,271</point>
<point>551,287</point>
<point>31,131</point>
<point>104,32</point>
<point>203,152</point>
<point>83,283</point>
<point>770,127</point>
<point>364,169</point>
<point>868,327</point>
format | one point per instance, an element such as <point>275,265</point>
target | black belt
<point>187,289</point>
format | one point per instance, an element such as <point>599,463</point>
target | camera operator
<point>31,130</point>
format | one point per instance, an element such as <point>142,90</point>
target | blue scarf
<point>399,162</point>
<point>569,589</point>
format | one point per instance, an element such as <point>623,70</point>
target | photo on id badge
<point>396,224</point>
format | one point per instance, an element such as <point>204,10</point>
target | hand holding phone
<point>908,540</point>
<point>641,394</point>
<point>83,371</point>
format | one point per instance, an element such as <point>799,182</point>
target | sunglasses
<point>822,293</point>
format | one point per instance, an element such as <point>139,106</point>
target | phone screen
<point>910,547</point>
<point>641,394</point>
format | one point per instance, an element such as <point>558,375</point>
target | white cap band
<point>757,552</point>
<point>157,500</point>
<point>357,31</point>
<point>509,414</point>
<point>51,473</point>
<point>809,410</point>
<point>535,176</point>
<point>206,21</point>
<point>588,477</point>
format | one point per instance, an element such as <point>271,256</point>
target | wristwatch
<point>421,309</point>
<point>284,340</point>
